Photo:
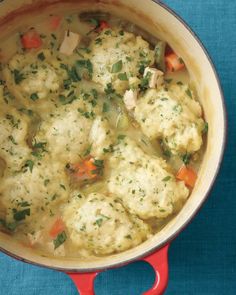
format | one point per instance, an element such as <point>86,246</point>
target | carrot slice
<point>55,22</point>
<point>85,170</point>
<point>174,62</point>
<point>188,175</point>
<point>31,39</point>
<point>57,228</point>
<point>103,25</point>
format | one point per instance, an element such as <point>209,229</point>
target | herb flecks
<point>41,56</point>
<point>123,76</point>
<point>29,164</point>
<point>18,76</point>
<point>205,128</point>
<point>100,166</point>
<point>34,96</point>
<point>144,84</point>
<point>167,178</point>
<point>117,67</point>
<point>60,239</point>
<point>21,214</point>
<point>186,158</point>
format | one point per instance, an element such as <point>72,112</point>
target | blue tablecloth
<point>203,257</point>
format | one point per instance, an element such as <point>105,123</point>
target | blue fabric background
<point>203,257</point>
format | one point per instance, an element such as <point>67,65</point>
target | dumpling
<point>35,77</point>
<point>100,224</point>
<point>117,57</point>
<point>14,129</point>
<point>143,183</point>
<point>172,115</point>
<point>66,132</point>
<point>34,190</point>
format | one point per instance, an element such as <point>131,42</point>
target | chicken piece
<point>69,43</point>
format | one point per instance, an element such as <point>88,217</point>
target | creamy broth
<point>102,135</point>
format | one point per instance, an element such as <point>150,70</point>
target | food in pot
<point>102,135</point>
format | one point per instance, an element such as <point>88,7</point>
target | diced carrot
<point>103,25</point>
<point>188,175</point>
<point>57,228</point>
<point>85,170</point>
<point>31,39</point>
<point>174,62</point>
<point>55,21</point>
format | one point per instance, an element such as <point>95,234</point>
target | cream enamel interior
<point>158,21</point>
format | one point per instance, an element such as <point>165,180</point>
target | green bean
<point>160,55</point>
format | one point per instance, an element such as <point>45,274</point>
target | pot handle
<point>158,260</point>
<point>84,282</point>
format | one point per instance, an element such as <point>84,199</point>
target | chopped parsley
<point>167,178</point>
<point>39,145</point>
<point>67,99</point>
<point>18,76</point>
<point>181,60</point>
<point>41,56</point>
<point>26,111</point>
<point>34,96</point>
<point>123,76</point>
<point>84,68</point>
<point>186,158</point>
<point>87,115</point>
<point>11,226</point>
<point>110,149</point>
<point>100,166</point>
<point>60,239</point>
<point>117,67</point>
<point>205,128</point>
<point>121,136</point>
<point>11,138</point>
<point>110,92</point>
<point>94,93</point>
<point>24,204</point>
<point>63,187</point>
<point>29,164</point>
<point>105,107</point>
<point>109,89</point>
<point>54,36</point>
<point>166,151</point>
<point>99,222</point>
<point>189,93</point>
<point>46,182</point>
<point>87,151</point>
<point>145,81</point>
<point>20,215</point>
<point>38,149</point>
<point>98,41</point>
<point>12,120</point>
<point>72,75</point>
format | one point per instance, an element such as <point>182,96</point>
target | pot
<point>160,21</point>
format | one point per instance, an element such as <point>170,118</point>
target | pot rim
<point>187,222</point>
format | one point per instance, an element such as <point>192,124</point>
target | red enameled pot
<point>161,21</point>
